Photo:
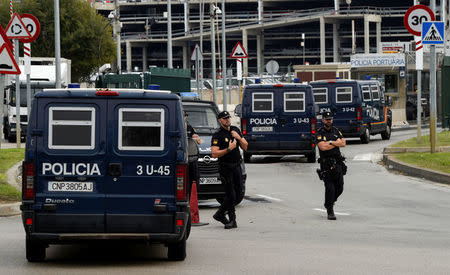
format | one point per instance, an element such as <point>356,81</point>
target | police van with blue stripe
<point>359,107</point>
<point>105,165</point>
<point>279,119</point>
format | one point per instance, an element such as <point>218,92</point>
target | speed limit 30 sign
<point>415,16</point>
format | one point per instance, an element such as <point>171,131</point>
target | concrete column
<point>128,45</point>
<point>185,56</point>
<point>322,40</point>
<point>144,59</point>
<point>259,53</point>
<point>379,49</point>
<point>366,35</point>
<point>245,45</point>
<point>336,42</point>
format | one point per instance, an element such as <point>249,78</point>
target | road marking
<point>336,213</point>
<point>363,157</point>
<point>267,197</point>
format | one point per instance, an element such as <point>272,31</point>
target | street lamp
<point>302,44</point>
<point>348,3</point>
<point>214,10</point>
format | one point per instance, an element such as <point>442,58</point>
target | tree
<point>86,36</point>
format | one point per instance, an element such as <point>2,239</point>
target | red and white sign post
<point>414,17</point>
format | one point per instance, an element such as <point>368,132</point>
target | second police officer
<point>225,145</point>
<point>332,166</point>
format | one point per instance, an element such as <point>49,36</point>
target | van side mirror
<point>238,110</point>
<point>316,109</point>
<point>388,100</point>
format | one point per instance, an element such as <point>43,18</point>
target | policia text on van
<point>103,164</point>
<point>358,106</point>
<point>279,119</point>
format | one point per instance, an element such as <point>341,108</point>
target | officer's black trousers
<point>231,175</point>
<point>334,186</point>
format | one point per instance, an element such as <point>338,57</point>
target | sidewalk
<point>13,177</point>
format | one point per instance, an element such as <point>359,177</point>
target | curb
<point>10,209</point>
<point>394,164</point>
<point>395,150</point>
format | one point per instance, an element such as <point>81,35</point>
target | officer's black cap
<point>327,115</point>
<point>223,114</point>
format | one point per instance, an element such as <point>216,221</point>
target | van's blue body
<point>359,107</point>
<point>105,167</point>
<point>279,119</point>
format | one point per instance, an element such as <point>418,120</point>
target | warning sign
<point>433,32</point>
<point>7,63</point>
<point>16,29</point>
<point>238,51</point>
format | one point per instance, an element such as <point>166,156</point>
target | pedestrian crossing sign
<point>433,32</point>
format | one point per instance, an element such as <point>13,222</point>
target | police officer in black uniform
<point>225,145</point>
<point>332,166</point>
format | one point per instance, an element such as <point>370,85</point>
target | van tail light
<point>278,86</point>
<point>244,126</point>
<point>28,173</point>
<point>181,184</point>
<point>313,126</point>
<point>359,113</point>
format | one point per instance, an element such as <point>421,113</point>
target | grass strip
<point>443,139</point>
<point>437,161</point>
<point>9,157</point>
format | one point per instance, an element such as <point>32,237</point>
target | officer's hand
<point>339,142</point>
<point>235,135</point>
<point>232,144</point>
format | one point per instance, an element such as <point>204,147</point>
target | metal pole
<point>419,105</point>
<point>213,50</point>
<point>57,47</point>
<point>224,59</point>
<point>186,20</point>
<point>230,77</point>
<point>16,54</point>
<point>27,66</point>
<point>433,90</point>
<point>169,35</point>
<point>2,98</point>
<point>116,30</point>
<point>201,49</point>
<point>260,11</point>
<point>197,68</point>
<point>336,6</point>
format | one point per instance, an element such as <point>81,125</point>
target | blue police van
<point>105,165</point>
<point>279,119</point>
<point>359,107</point>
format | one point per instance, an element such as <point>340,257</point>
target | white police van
<point>105,165</point>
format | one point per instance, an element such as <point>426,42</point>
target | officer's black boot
<point>232,223</point>
<point>220,217</point>
<point>330,213</point>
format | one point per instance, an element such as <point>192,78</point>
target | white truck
<point>43,75</point>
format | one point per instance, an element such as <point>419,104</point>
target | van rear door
<point>262,119</point>
<point>293,125</point>
<point>70,165</point>
<point>140,166</point>
<point>345,104</point>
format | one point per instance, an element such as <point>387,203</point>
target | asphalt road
<point>386,224</point>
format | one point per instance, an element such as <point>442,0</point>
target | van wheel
<point>177,251</point>
<point>386,134</point>
<point>247,157</point>
<point>365,138</point>
<point>35,251</point>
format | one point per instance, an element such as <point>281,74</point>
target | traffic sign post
<point>32,25</point>
<point>239,53</point>
<point>197,57</point>
<point>415,16</point>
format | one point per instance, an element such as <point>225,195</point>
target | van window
<point>71,128</point>
<point>366,93</point>
<point>320,95</point>
<point>262,102</point>
<point>294,102</point>
<point>375,92</point>
<point>141,129</point>
<point>343,94</point>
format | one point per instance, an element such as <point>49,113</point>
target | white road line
<point>267,197</point>
<point>336,213</point>
<point>363,157</point>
